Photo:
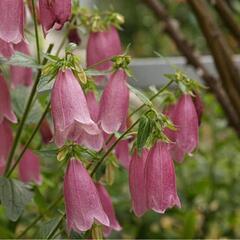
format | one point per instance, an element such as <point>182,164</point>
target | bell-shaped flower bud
<point>109,210</point>
<point>54,13</point>
<point>186,122</point>
<point>46,132</point>
<point>21,75</point>
<point>11,20</point>
<point>70,112</point>
<point>122,153</point>
<point>82,202</point>
<point>6,140</point>
<point>114,103</point>
<point>137,182</point>
<point>6,49</point>
<point>29,168</point>
<point>5,103</point>
<point>198,106</point>
<point>102,46</point>
<point>160,179</point>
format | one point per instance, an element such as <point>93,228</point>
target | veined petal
<point>5,103</point>
<point>108,209</point>
<point>11,20</point>
<point>137,183</point>
<point>29,168</point>
<point>114,103</point>
<point>82,202</point>
<point>160,180</point>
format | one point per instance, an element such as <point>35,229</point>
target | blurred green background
<point>209,181</point>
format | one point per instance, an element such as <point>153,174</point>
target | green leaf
<point>140,95</point>
<point>50,154</point>
<point>48,228</point>
<point>45,83</point>
<point>14,196</point>
<point>94,72</point>
<point>23,60</point>
<point>19,99</point>
<point>144,131</point>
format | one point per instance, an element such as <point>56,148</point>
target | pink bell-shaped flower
<point>29,168</point>
<point>54,13</point>
<point>160,180</point>
<point>82,202</point>
<point>70,112</point>
<point>6,140</point>
<point>5,103</point>
<point>11,20</point>
<point>114,103</point>
<point>186,122</point>
<point>94,142</point>
<point>122,153</point>
<point>137,182</point>
<point>198,106</point>
<point>46,132</point>
<point>21,75</point>
<point>6,49</point>
<point>108,209</point>
<point>101,46</point>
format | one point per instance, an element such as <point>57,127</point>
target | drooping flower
<point>96,141</point>
<point>54,13</point>
<point>46,132</point>
<point>29,168</point>
<point>101,46</point>
<point>109,210</point>
<point>122,153</point>
<point>82,202</point>
<point>114,103</point>
<point>137,182</point>
<point>176,152</point>
<point>198,106</point>
<point>6,140</point>
<point>70,112</point>
<point>21,75</point>
<point>5,103</point>
<point>11,20</point>
<point>186,122</point>
<point>160,180</point>
<point>6,49</point>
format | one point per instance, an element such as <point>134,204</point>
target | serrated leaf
<point>47,229</point>
<point>23,60</point>
<point>140,95</point>
<point>14,196</point>
<point>144,130</point>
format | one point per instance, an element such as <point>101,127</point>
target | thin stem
<point>56,227</point>
<point>38,218</point>
<point>113,146</point>
<point>29,140</point>
<point>24,117</point>
<point>152,98</point>
<point>36,32</point>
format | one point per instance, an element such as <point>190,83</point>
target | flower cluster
<point>97,121</point>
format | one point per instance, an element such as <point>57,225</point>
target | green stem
<point>29,140</point>
<point>113,146</point>
<point>153,97</point>
<point>24,117</point>
<point>36,32</point>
